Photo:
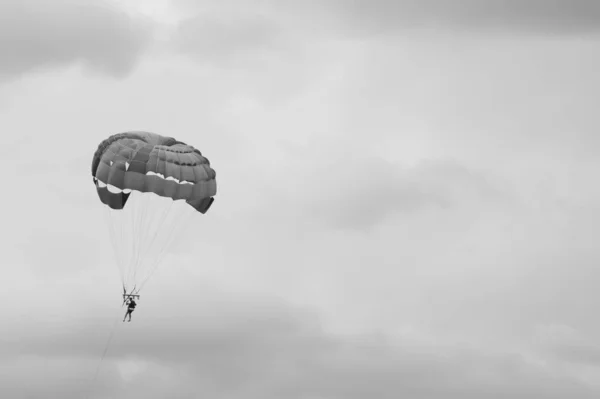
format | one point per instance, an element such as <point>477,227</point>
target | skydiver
<point>130,308</point>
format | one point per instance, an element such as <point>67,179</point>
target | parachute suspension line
<point>137,232</point>
<point>138,239</point>
<point>121,249</point>
<point>171,237</point>
<point>110,336</point>
<point>159,225</point>
<point>157,228</point>
<point>133,239</point>
<point>111,229</point>
<point>157,256</point>
<point>113,236</point>
<point>119,219</point>
<point>112,215</point>
<point>141,227</point>
<point>157,261</point>
<point>147,223</point>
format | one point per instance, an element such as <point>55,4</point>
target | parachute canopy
<point>154,187</point>
<point>148,162</point>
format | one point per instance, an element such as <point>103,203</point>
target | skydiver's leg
<point>131,311</point>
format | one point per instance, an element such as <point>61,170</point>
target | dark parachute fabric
<point>134,161</point>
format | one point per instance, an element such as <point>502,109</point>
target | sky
<point>406,202</point>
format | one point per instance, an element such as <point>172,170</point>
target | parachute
<point>153,187</point>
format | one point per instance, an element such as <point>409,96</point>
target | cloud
<point>358,192</point>
<point>228,38</point>
<point>255,55</point>
<point>37,34</point>
<point>440,255</point>
<point>579,353</point>
<point>228,347</point>
<point>365,17</point>
<point>568,345</point>
<point>53,252</point>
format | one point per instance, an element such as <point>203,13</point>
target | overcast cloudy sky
<point>407,198</point>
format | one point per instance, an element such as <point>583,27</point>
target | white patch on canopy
<point>116,190</point>
<point>171,178</point>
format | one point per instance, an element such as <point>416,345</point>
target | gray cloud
<point>226,38</point>
<point>568,345</point>
<point>37,34</point>
<point>579,353</point>
<point>366,17</point>
<point>262,349</point>
<point>509,16</point>
<point>360,192</point>
<point>46,250</point>
<point>470,272</point>
<point>258,55</point>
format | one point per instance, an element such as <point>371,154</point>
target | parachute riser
<point>127,296</point>
<point>132,294</point>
